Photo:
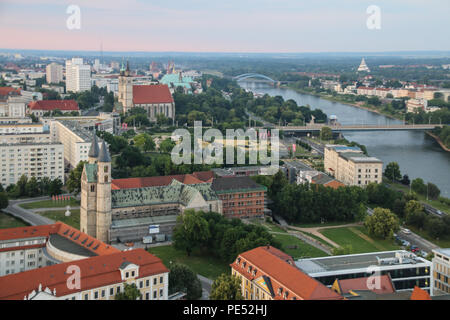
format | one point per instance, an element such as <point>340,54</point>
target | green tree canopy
<point>191,231</point>
<point>130,292</point>
<point>182,278</point>
<point>144,142</point>
<point>74,181</point>
<point>392,171</point>
<point>226,287</point>
<point>382,223</point>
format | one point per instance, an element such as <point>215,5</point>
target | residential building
<point>351,166</point>
<point>414,105</point>
<point>74,137</point>
<point>17,133</point>
<point>54,73</point>
<point>16,107</point>
<point>39,108</point>
<point>32,160</point>
<point>441,271</point>
<point>78,75</point>
<point>40,260</point>
<point>241,196</point>
<point>267,273</point>
<point>405,269</point>
<point>155,99</point>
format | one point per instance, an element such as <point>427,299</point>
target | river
<point>417,154</point>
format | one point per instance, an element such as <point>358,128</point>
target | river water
<point>417,154</point>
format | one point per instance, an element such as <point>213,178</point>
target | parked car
<point>406,231</point>
<point>405,243</point>
<point>415,248</point>
<point>423,253</point>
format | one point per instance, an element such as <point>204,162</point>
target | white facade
<point>78,75</point>
<point>54,73</point>
<point>36,159</point>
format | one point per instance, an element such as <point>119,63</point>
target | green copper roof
<point>91,172</point>
<point>175,80</point>
<point>176,192</point>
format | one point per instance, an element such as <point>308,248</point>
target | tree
<point>417,185</point>
<point>166,145</point>
<point>21,185</point>
<point>382,223</point>
<point>191,231</point>
<point>326,133</point>
<point>405,180</point>
<point>144,142</point>
<point>4,202</point>
<point>414,213</point>
<point>74,180</point>
<point>226,287</point>
<point>32,187</point>
<point>435,226</point>
<point>433,191</point>
<point>392,171</point>
<point>182,278</point>
<point>130,292</point>
<point>55,187</point>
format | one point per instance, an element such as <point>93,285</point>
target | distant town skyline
<point>252,26</point>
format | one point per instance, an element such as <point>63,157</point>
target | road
<point>316,146</point>
<point>206,287</point>
<point>417,240</point>
<point>26,215</point>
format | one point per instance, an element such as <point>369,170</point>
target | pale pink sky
<point>225,26</point>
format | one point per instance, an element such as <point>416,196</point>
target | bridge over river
<point>366,127</point>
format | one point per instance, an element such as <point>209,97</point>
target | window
<point>96,295</point>
<point>86,296</point>
<point>141,284</point>
<point>147,296</point>
<point>147,283</point>
<point>160,293</point>
<point>111,291</point>
<point>154,294</point>
<point>92,188</point>
<point>106,178</point>
<point>127,275</point>
<point>106,168</point>
<point>160,279</point>
<point>154,281</point>
<point>103,293</point>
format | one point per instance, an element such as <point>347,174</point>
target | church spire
<point>103,155</point>
<point>93,151</point>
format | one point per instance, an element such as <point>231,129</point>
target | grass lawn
<point>206,266</point>
<point>50,204</point>
<point>8,221</point>
<point>303,249</point>
<point>73,220</point>
<point>358,239</point>
<point>315,237</point>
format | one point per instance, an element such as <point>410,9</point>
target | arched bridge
<point>253,75</point>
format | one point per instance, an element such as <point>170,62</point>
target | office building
<point>405,269</point>
<point>78,75</point>
<point>351,166</point>
<point>441,271</point>
<point>54,73</point>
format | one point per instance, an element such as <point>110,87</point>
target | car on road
<point>405,243</point>
<point>415,249</point>
<point>406,231</point>
<point>422,253</point>
<point>439,212</point>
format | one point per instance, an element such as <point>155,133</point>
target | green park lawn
<point>302,250</point>
<point>50,204</point>
<point>8,221</point>
<point>206,266</point>
<point>73,220</point>
<point>358,239</point>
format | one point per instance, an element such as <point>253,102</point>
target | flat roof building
<point>404,268</point>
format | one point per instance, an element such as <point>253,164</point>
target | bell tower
<point>126,88</point>
<point>103,194</point>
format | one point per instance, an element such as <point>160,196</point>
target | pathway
<point>315,231</point>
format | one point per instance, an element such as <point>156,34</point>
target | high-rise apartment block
<point>78,75</point>
<point>54,73</point>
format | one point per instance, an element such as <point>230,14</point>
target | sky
<point>226,25</point>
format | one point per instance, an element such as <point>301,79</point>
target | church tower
<point>88,206</point>
<point>103,194</point>
<point>126,88</point>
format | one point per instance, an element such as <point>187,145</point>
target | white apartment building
<point>74,137</point>
<point>14,107</point>
<point>32,160</point>
<point>351,166</point>
<point>54,73</point>
<point>78,75</point>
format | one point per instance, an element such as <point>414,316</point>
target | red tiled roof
<point>195,178</point>
<point>334,184</point>
<point>283,275</point>
<point>63,105</point>
<point>149,94</point>
<point>347,285</point>
<point>95,272</point>
<point>4,91</point>
<point>64,230</point>
<point>419,294</point>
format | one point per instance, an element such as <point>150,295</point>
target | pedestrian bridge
<point>365,127</point>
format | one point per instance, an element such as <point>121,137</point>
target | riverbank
<point>332,99</point>
<point>438,140</point>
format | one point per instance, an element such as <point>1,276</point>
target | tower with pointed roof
<point>95,207</point>
<point>103,194</point>
<point>363,66</point>
<point>126,88</point>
